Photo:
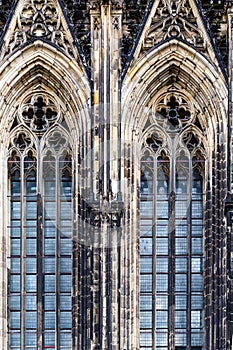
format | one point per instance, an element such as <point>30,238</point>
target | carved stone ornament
<point>39,112</point>
<point>174,19</point>
<point>173,112</point>
<point>38,19</point>
<point>110,214</point>
<point>116,22</point>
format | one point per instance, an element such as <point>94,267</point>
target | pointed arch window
<point>171,234</point>
<point>40,234</point>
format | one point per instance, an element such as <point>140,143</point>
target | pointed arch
<point>174,63</point>
<point>177,69</point>
<point>40,66</point>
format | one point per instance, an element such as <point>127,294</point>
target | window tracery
<point>174,112</point>
<point>40,229</point>
<point>174,19</point>
<point>39,112</point>
<point>171,235</point>
<point>39,19</point>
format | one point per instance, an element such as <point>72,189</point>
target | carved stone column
<point>105,206</point>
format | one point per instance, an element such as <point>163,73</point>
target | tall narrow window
<point>40,228</point>
<point>171,252</point>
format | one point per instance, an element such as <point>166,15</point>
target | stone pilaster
<point>105,206</point>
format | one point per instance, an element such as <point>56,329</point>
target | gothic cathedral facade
<point>116,202</point>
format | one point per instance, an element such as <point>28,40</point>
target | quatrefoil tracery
<point>174,112</point>
<point>39,113</point>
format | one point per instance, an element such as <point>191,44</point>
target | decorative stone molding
<point>116,22</point>
<point>110,214</point>
<point>96,23</point>
<point>174,19</point>
<point>39,20</point>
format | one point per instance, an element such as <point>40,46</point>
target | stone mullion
<point>214,256</point>
<point>229,201</point>
<point>222,246</point>
<point>208,269</point>
<point>125,322</point>
<point>4,251</point>
<point>219,270</point>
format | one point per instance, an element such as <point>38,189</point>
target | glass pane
<point>15,246</point>
<point>15,188</point>
<point>146,319</point>
<point>49,283</point>
<point>31,283</point>
<point>49,320</point>
<point>65,320</point>
<point>66,246</point>
<point>181,246</point>
<point>15,283</point>
<point>49,265</point>
<point>15,302</point>
<point>180,319</point>
<point>15,265</point>
<point>15,320</point>
<point>146,302</point>
<point>31,210</point>
<point>66,340</point>
<point>181,282</point>
<point>161,339</point>
<point>145,339</point>
<point>31,339</point>
<point>49,246</point>
<point>66,265</point>
<point>31,231</point>
<point>180,339</point>
<point>31,188</point>
<point>66,283</point>
<point>197,245</point>
<point>161,302</point>
<point>65,302</point>
<point>15,231</point>
<point>196,319</point>
<point>50,210</point>
<point>15,339</point>
<point>15,210</point>
<point>162,265</point>
<point>49,339</point>
<point>181,301</point>
<point>50,302</point>
<point>196,282</point>
<point>146,246</point>
<point>161,319</point>
<point>146,283</point>
<point>31,320</point>
<point>146,209</point>
<point>181,264</point>
<point>146,265</point>
<point>31,265</point>
<point>196,264</point>
<point>31,302</point>
<point>162,246</point>
<point>161,283</point>
<point>196,301</point>
<point>66,210</point>
<point>31,246</point>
